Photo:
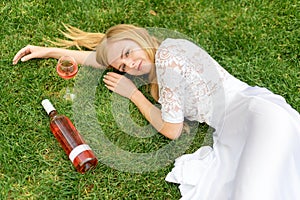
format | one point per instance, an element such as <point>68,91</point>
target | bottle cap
<point>48,106</point>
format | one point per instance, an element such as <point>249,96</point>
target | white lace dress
<point>256,149</point>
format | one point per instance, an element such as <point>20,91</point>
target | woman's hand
<point>30,52</point>
<point>119,84</point>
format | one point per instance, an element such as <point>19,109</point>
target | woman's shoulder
<point>181,46</point>
<point>175,42</point>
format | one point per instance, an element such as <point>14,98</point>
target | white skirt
<point>255,155</point>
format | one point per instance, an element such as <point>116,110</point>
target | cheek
<point>148,68</point>
<point>141,54</point>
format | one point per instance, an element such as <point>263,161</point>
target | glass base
<point>69,94</point>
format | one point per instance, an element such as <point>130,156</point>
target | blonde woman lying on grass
<point>256,149</point>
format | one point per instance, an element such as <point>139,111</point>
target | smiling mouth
<point>140,66</point>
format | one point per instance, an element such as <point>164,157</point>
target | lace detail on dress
<point>188,79</point>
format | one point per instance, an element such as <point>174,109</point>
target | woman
<point>256,149</point>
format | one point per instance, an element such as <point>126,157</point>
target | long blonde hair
<point>98,42</point>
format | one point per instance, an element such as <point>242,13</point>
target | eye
<point>122,67</point>
<point>127,53</point>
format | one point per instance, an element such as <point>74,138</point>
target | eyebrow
<point>122,52</point>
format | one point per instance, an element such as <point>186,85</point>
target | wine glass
<point>67,68</point>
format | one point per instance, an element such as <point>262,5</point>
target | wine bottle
<point>80,154</point>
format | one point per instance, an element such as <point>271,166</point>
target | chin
<point>139,73</point>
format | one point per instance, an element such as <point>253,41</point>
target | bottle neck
<point>52,114</point>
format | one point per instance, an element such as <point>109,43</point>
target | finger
<point>108,82</point>
<point>110,88</point>
<point>17,58</point>
<point>110,78</point>
<point>27,57</point>
<point>21,53</point>
<point>115,75</point>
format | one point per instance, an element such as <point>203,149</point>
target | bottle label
<point>78,150</point>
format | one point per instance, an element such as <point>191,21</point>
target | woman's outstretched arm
<point>31,52</point>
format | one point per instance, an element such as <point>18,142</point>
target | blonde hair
<point>98,42</point>
<point>78,38</point>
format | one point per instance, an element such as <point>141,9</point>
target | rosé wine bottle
<point>80,154</point>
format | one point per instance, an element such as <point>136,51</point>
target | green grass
<point>257,41</point>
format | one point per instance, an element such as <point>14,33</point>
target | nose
<point>129,63</point>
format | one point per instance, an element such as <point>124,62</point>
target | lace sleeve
<point>171,85</point>
<point>190,82</point>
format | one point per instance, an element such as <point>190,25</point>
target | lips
<point>139,66</point>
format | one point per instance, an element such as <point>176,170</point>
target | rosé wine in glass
<point>67,67</point>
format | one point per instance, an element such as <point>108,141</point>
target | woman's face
<point>127,56</point>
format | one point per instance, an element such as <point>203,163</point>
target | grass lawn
<point>256,41</point>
